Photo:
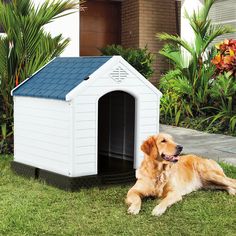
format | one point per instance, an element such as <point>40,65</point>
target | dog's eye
<point>163,141</point>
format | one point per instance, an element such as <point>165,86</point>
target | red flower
<point>225,60</point>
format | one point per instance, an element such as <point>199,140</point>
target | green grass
<point>28,207</point>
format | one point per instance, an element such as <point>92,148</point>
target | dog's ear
<point>149,145</point>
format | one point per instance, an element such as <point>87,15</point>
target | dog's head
<point>162,147</point>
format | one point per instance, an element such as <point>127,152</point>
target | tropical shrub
<point>24,49</point>
<point>140,59</point>
<point>190,82</point>
<point>223,99</point>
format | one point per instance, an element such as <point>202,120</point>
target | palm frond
<point>174,54</point>
<point>48,48</point>
<point>52,9</point>
<point>214,31</point>
<point>204,11</point>
<point>176,40</point>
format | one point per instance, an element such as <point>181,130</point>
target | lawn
<point>29,207</point>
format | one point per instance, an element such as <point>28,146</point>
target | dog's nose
<point>179,148</point>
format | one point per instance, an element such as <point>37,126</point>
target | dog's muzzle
<point>173,158</point>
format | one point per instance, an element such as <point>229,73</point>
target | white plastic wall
<point>85,107</point>
<point>42,134</point>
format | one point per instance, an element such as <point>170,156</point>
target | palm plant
<point>26,46</point>
<point>194,76</point>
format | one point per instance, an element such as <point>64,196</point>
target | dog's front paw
<point>158,210</point>
<point>232,191</point>
<point>133,209</point>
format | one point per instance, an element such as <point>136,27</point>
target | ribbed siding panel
<point>41,134</point>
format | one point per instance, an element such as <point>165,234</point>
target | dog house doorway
<point>116,127</point>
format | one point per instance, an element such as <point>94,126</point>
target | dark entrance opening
<point>116,122</point>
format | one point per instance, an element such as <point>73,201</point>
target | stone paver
<point>215,146</point>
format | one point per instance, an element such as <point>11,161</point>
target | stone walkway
<point>215,146</point>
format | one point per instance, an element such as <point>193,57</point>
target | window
<point>224,12</point>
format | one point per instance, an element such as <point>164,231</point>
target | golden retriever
<point>165,175</point>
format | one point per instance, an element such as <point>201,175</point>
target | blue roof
<point>60,76</point>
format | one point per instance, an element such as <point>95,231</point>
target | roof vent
<point>118,74</point>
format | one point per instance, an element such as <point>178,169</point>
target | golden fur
<point>170,181</point>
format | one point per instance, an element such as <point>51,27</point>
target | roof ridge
<point>81,57</point>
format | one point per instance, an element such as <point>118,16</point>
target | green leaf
<point>177,117</point>
<point>4,130</point>
<point>232,123</point>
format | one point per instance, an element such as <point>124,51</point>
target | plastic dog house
<point>81,121</point>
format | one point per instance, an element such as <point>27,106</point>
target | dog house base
<point>72,183</point>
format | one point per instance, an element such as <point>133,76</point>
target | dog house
<point>81,121</point>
